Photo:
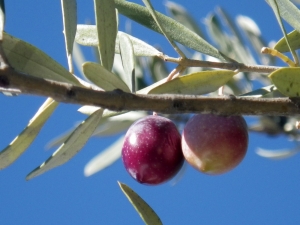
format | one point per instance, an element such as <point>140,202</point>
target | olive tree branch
<point>118,100</point>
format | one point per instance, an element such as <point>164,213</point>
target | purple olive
<point>151,151</point>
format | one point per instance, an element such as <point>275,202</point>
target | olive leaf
<point>288,11</point>
<point>164,31</point>
<point>103,78</point>
<point>87,35</point>
<point>279,8</point>
<point>106,23</point>
<point>174,29</point>
<point>28,59</point>
<point>18,146</point>
<point>69,11</point>
<point>287,81</point>
<point>71,146</point>
<point>294,41</point>
<point>202,82</point>
<point>144,210</point>
<point>127,56</point>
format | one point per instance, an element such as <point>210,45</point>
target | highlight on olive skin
<point>215,144</point>
<point>152,151</point>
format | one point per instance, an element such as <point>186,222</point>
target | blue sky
<point>259,191</point>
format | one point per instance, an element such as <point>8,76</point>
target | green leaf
<point>294,41</point>
<point>174,29</point>
<point>87,35</point>
<point>103,78</point>
<point>195,83</point>
<point>145,211</point>
<point>28,59</point>
<point>162,28</point>
<point>127,56</point>
<point>106,23</point>
<point>288,11</point>
<point>287,81</point>
<point>105,158</point>
<point>279,12</point>
<point>14,150</point>
<point>69,11</point>
<point>71,146</point>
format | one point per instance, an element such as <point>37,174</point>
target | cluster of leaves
<point>127,63</point>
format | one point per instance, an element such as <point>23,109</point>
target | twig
<point>221,65</point>
<point>118,100</point>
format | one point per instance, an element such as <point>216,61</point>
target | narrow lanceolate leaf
<point>294,41</point>
<point>277,154</point>
<point>71,146</point>
<point>127,56</point>
<point>287,81</point>
<point>103,78</point>
<point>69,11</point>
<point>106,22</point>
<point>2,18</point>
<point>144,210</point>
<point>162,28</point>
<point>105,158</point>
<point>195,83</point>
<point>174,29</point>
<point>288,11</point>
<point>87,35</point>
<point>28,59</point>
<point>24,139</point>
<point>279,13</point>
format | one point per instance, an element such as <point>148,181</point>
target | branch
<point>118,100</point>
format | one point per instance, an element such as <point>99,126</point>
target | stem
<point>221,65</point>
<point>278,54</point>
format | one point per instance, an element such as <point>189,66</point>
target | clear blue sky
<point>259,191</point>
